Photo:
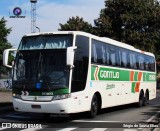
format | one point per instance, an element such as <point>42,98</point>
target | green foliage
<point>76,24</point>
<point>4,44</point>
<point>135,22</point>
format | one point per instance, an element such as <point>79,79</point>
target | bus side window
<point>152,64</point>
<point>119,57</point>
<point>133,60</point>
<point>112,54</point>
<point>99,54</point>
<point>94,54</point>
<point>141,61</point>
<point>81,62</point>
<point>124,58</point>
<point>107,55</point>
<point>128,60</point>
<point>146,63</point>
<point>103,54</point>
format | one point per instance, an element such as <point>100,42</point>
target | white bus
<point>71,71</point>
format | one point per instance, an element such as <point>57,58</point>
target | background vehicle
<point>69,72</point>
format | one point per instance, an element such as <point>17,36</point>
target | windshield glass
<point>41,62</point>
<point>46,42</point>
<point>42,69</point>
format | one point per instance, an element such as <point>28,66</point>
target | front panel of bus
<point>41,77</point>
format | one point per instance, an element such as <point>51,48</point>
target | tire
<point>94,107</point>
<point>141,100</point>
<point>146,99</point>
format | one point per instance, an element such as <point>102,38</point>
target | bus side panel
<point>115,93</point>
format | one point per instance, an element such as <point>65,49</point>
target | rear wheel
<point>146,99</point>
<point>94,107</point>
<point>141,100</point>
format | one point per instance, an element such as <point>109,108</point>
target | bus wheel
<point>141,100</point>
<point>146,99</point>
<point>94,107</point>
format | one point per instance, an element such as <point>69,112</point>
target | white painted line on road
<point>67,129</point>
<point>96,121</point>
<point>130,130</point>
<point>153,117</point>
<point>3,128</point>
<point>30,129</point>
<point>19,116</point>
<point>99,129</point>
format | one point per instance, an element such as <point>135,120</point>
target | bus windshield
<point>41,62</point>
<point>43,69</point>
<point>46,42</point>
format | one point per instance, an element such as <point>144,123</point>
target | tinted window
<point>133,60</point>
<point>81,59</point>
<point>98,52</point>
<point>46,42</point>
<point>124,58</point>
<point>103,53</point>
<point>141,61</point>
<point>152,61</point>
<point>112,55</point>
<point>146,63</point>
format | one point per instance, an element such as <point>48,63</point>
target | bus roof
<point>102,39</point>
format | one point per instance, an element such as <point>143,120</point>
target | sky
<point>49,13</point>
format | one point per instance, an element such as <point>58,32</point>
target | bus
<point>68,72</point>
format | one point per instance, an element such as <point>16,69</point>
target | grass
<point>5,90</point>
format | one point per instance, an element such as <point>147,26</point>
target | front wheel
<point>94,107</point>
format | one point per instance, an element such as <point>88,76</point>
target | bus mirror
<point>70,56</point>
<point>6,57</point>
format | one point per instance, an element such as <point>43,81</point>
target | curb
<point>6,107</point>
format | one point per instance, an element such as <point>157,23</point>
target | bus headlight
<point>16,96</point>
<point>59,97</point>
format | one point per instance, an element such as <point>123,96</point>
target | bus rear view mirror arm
<point>6,57</point>
<point>70,56</point>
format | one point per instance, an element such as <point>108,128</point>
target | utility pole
<point>33,15</point>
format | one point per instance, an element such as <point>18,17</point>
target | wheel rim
<point>94,105</point>
<point>141,101</point>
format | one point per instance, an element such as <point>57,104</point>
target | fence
<point>6,83</point>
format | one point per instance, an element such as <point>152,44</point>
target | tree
<point>76,24</point>
<point>135,22</point>
<point>4,44</point>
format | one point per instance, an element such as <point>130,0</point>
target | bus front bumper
<point>63,106</point>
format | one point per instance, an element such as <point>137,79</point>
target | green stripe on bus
<point>133,87</point>
<point>135,76</point>
<point>110,74</point>
<point>151,77</point>
<point>40,93</point>
<point>92,72</point>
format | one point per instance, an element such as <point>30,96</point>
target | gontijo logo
<point>105,74</point>
<point>109,74</point>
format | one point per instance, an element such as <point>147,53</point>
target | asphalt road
<point>125,118</point>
